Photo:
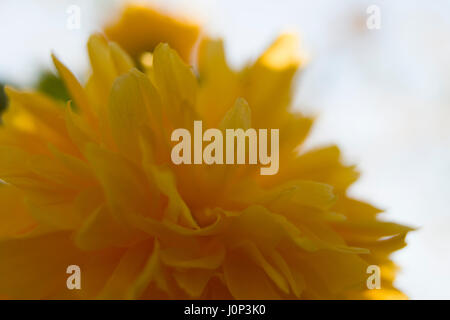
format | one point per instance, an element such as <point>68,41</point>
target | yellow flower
<point>140,29</point>
<point>91,183</point>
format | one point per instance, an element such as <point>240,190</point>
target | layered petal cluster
<point>91,183</point>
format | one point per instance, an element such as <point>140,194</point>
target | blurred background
<point>382,95</point>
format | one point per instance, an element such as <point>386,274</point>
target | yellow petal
<point>33,120</point>
<point>382,249</point>
<point>239,116</point>
<point>369,230</point>
<point>79,171</point>
<point>355,209</point>
<point>35,268</point>
<point>219,85</point>
<point>176,83</point>
<point>384,294</point>
<point>245,280</point>
<point>101,60</point>
<point>303,193</point>
<point>40,108</point>
<point>76,90</point>
<point>283,53</point>
<point>254,253</point>
<point>268,82</point>
<point>108,61</point>
<point>122,60</point>
<point>211,257</point>
<point>348,272</point>
<point>124,185</point>
<point>59,216</point>
<point>193,281</point>
<point>294,278</point>
<point>293,132</point>
<point>102,230</point>
<point>321,165</point>
<point>151,273</point>
<point>272,230</point>
<point>150,27</point>
<point>176,210</point>
<point>11,162</point>
<point>78,131</point>
<point>134,103</point>
<point>127,271</point>
<point>14,216</point>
